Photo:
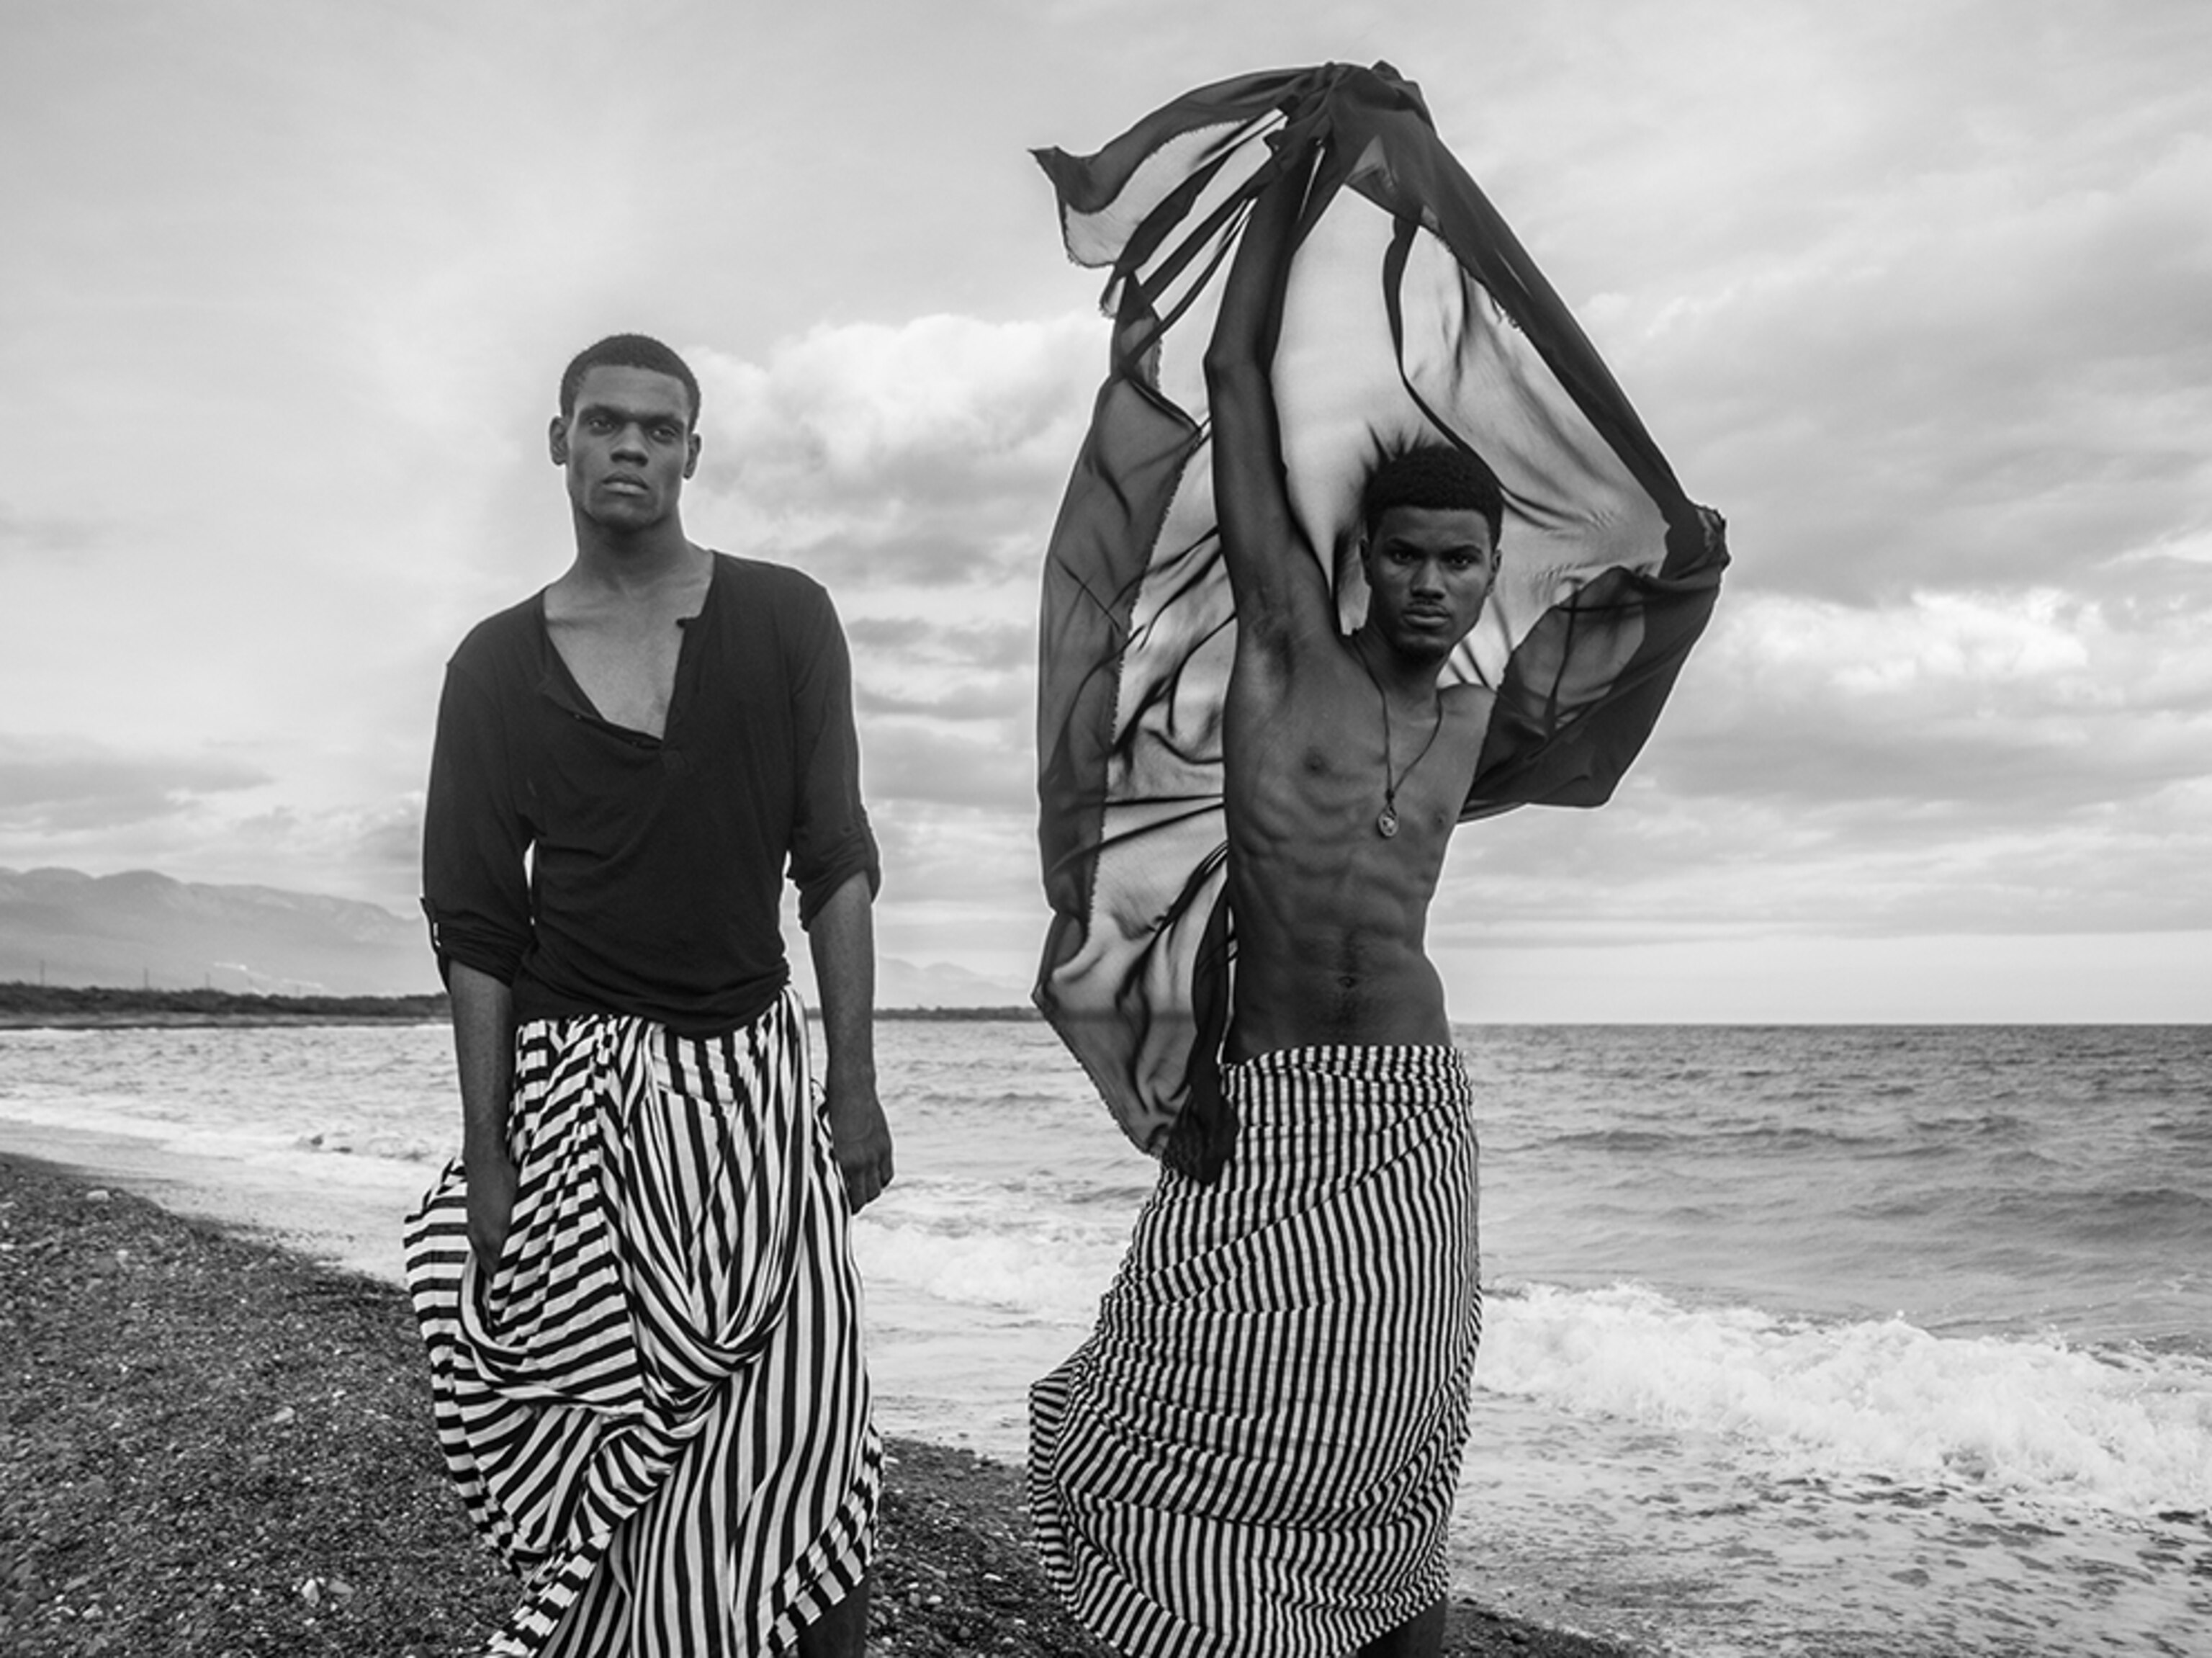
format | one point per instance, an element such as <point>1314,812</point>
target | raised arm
<point>1282,597</point>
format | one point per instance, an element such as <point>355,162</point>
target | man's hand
<point>843,936</point>
<point>483,1051</point>
<point>491,1184</point>
<point>860,1139</point>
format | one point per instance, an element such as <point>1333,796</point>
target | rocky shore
<point>210,1445</point>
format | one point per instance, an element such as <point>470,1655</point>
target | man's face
<point>1428,570</point>
<point>628,446</point>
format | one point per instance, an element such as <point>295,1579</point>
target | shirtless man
<point>636,1284</point>
<point>1338,829</point>
<point>1346,764</point>
<point>1257,1452</point>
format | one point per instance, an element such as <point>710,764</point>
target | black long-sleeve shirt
<point>598,870</point>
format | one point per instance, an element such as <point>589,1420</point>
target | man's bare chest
<point>1310,769</point>
<point>626,667</point>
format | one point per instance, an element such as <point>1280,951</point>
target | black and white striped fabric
<point>654,1406</point>
<point>1255,1452</point>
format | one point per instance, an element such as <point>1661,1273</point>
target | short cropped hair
<point>1436,475</point>
<point>627,352</point>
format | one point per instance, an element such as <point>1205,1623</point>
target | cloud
<point>916,471</point>
<point>25,535</point>
<point>1970,760</point>
<point>60,784</point>
<point>1652,866</point>
<point>972,869</point>
<point>995,647</point>
<point>1986,706</point>
<point>986,697</point>
<point>373,850</point>
<point>1972,340</point>
<point>926,453</point>
<point>907,760</point>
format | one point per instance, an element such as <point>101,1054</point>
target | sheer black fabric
<point>1411,314</point>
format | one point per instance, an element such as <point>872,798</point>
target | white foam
<point>1052,1274</point>
<point>1882,1401</point>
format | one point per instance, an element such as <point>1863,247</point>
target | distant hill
<point>940,985</point>
<point>34,1005</point>
<point>62,927</point>
<point>65,927</point>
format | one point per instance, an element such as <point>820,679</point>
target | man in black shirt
<point>636,1284</point>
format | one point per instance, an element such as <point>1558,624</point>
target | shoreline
<point>27,1006</point>
<point>152,1022</point>
<point>221,1445</point>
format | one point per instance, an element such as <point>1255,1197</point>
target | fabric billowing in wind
<point>1411,312</point>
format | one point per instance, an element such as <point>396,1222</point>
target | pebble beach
<point>216,1444</point>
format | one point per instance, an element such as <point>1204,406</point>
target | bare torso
<point>1331,916</point>
<point>621,648</point>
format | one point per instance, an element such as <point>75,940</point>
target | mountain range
<point>65,927</point>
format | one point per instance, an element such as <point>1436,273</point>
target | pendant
<point>1386,824</point>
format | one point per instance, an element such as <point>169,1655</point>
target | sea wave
<point>1047,1280</point>
<point>1873,1402</point>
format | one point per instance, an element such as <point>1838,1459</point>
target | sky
<point>1918,293</point>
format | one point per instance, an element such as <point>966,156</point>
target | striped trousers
<point>654,1404</point>
<point>1255,1452</point>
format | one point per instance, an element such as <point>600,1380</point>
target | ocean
<point>1835,1341</point>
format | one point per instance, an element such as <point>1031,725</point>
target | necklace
<point>1386,820</point>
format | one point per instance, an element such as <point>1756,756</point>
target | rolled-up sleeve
<point>831,841</point>
<point>475,883</point>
